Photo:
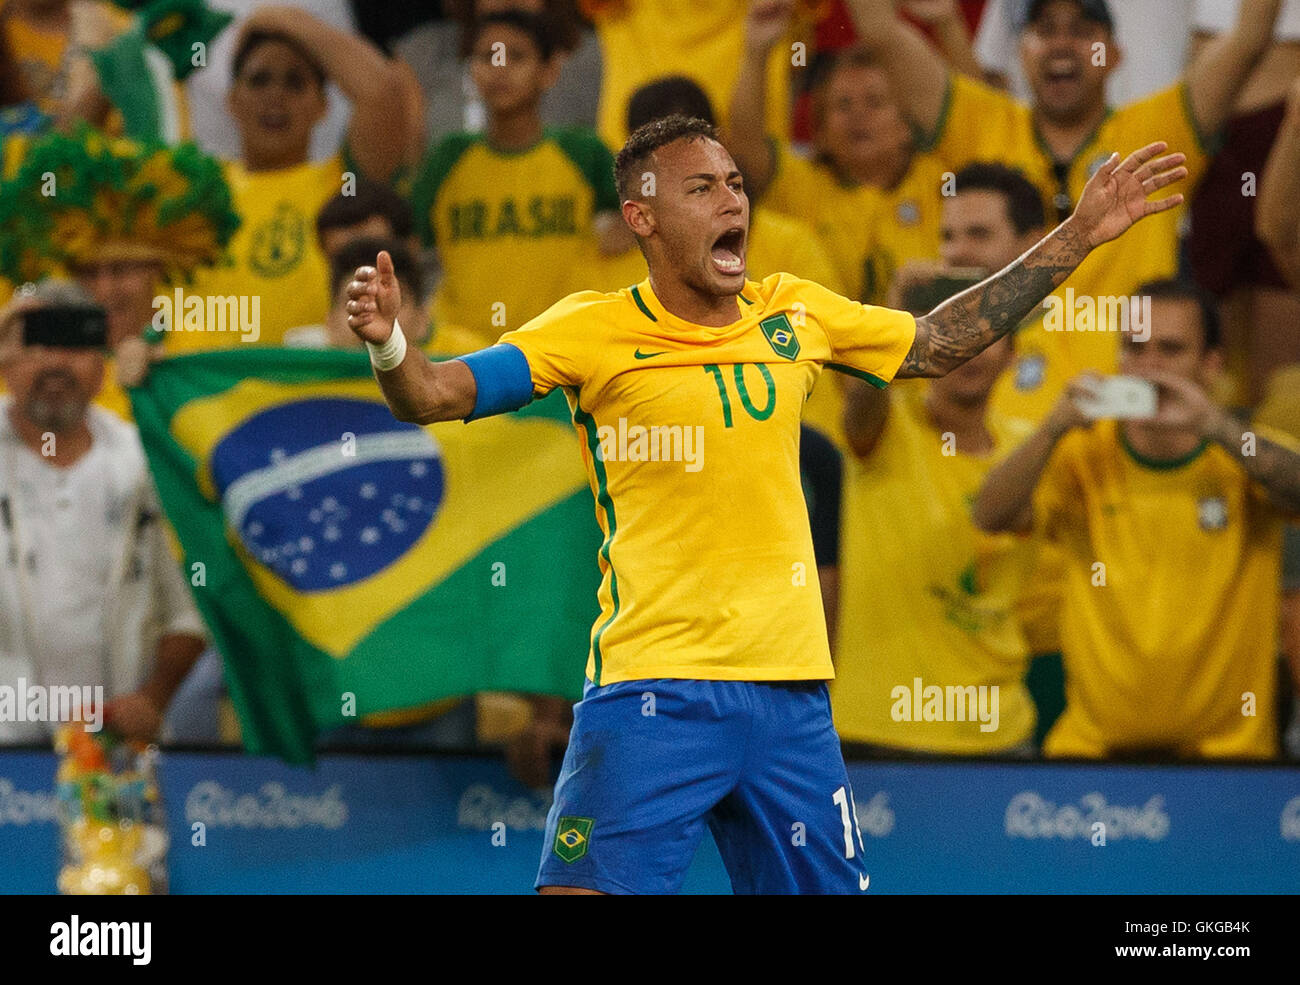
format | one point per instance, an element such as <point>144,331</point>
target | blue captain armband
<point>502,380</point>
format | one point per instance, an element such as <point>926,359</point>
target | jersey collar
<point>651,307</point>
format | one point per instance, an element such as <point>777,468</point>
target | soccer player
<point>706,699</point>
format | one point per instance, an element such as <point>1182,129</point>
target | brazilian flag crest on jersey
<point>349,564</point>
<point>572,837</point>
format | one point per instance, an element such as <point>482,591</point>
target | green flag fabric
<point>348,561</point>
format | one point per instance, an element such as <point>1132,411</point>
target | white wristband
<point>390,354</point>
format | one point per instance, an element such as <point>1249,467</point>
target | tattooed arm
<point>1113,200</point>
<point>1273,466</point>
<point>1184,404</point>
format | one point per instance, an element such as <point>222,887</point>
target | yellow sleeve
<point>1057,497</point>
<point>865,341</point>
<point>559,343</point>
<point>1165,115</point>
<point>793,185</point>
<point>977,123</point>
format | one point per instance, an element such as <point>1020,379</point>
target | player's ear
<point>639,216</point>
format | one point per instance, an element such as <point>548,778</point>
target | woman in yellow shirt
<point>281,65</point>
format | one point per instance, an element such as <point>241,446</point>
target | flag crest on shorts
<point>336,551</point>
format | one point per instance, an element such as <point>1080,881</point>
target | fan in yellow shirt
<point>871,199</point>
<point>1171,528</point>
<point>281,65</point>
<point>645,40</point>
<point>934,604</point>
<point>1068,49</point>
<point>514,210</point>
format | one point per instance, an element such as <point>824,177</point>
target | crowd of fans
<point>893,151</point>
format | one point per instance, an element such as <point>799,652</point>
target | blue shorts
<point>650,762</point>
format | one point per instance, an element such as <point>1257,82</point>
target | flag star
<point>315,516</point>
<point>299,567</point>
<point>369,535</point>
<point>294,492</point>
<point>254,529</point>
<point>331,532</point>
<point>305,544</point>
<point>415,505</point>
<point>338,570</point>
<point>329,504</point>
<point>277,454</point>
<point>418,469</point>
<point>368,490</point>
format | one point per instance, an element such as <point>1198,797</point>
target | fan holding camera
<point>123,219</point>
<point>1169,513</point>
<point>90,594</point>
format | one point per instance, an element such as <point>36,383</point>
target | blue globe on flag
<point>325,492</point>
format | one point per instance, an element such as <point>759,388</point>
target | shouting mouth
<point>729,252</point>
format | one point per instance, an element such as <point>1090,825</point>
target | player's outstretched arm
<point>1113,200</point>
<point>417,390</point>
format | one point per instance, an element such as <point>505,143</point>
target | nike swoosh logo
<point>863,882</point>
<point>647,355</point>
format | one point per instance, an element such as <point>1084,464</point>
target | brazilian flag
<point>339,555</point>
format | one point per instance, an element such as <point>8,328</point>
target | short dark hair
<point>1181,289</point>
<point>673,95</point>
<point>1024,201</point>
<point>645,140</point>
<point>362,253</point>
<point>250,41</point>
<point>562,16</point>
<point>371,199</point>
<point>537,27</point>
<point>826,63</point>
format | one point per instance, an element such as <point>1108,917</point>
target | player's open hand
<point>1116,196</point>
<point>374,300</point>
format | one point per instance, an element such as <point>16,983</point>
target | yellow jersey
<point>869,232</point>
<point>642,41</point>
<point>980,123</point>
<point>508,226</point>
<point>926,595</point>
<point>1169,614</point>
<point>777,244</point>
<point>275,255</point>
<point>691,445</point>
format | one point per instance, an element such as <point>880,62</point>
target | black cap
<point>1093,10</point>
